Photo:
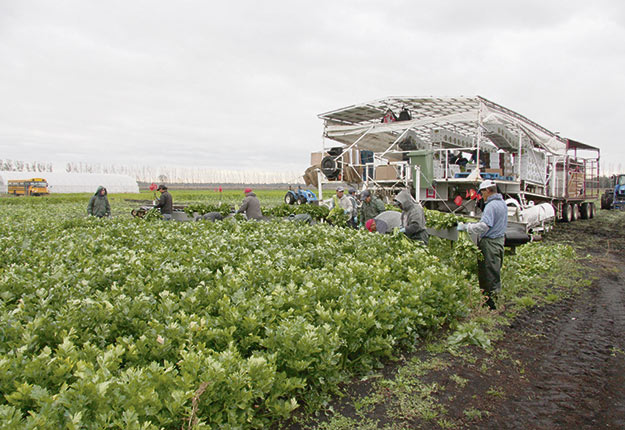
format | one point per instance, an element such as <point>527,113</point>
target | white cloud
<point>240,84</point>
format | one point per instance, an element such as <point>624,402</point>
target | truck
<point>441,148</point>
<point>28,187</point>
<point>614,198</point>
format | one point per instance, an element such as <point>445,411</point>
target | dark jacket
<point>165,203</point>
<point>251,207</point>
<point>370,210</point>
<point>412,217</point>
<point>99,204</point>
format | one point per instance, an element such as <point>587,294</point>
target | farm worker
<point>342,201</point>
<point>250,206</point>
<point>165,203</point>
<point>99,204</point>
<point>387,221</point>
<point>412,217</point>
<point>371,206</point>
<point>491,230</point>
<point>210,216</point>
<point>353,221</point>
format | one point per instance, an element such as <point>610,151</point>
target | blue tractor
<point>300,196</point>
<point>614,198</point>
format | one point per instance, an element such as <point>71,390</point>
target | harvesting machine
<point>442,148</point>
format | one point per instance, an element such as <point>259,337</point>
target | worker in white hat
<point>342,201</point>
<point>491,231</point>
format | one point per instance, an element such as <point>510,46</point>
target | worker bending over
<point>412,217</point>
<point>251,206</point>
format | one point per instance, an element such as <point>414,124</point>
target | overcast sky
<point>239,84</point>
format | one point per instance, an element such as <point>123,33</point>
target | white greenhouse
<point>62,182</point>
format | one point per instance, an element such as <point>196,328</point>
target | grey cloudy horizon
<point>240,85</point>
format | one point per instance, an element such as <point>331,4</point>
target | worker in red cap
<point>250,206</point>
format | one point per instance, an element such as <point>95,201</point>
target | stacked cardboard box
<point>385,173</point>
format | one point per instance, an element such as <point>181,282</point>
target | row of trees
<point>187,175</point>
<point>24,166</point>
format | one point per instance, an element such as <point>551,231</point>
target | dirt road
<point>564,366</point>
<point>558,366</point>
<point>573,352</point>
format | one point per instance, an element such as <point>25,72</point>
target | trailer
<point>442,148</point>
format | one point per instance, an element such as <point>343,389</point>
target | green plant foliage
<point>118,322</point>
<point>204,208</point>
<point>317,212</point>
<point>153,214</point>
<point>442,220</point>
<point>121,323</point>
<point>469,333</point>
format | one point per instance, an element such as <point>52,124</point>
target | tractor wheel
<point>566,212</point>
<point>606,201</point>
<point>289,199</point>
<point>302,200</point>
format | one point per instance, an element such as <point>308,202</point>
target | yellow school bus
<point>28,187</point>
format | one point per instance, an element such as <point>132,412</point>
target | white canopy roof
<point>62,182</point>
<point>462,116</point>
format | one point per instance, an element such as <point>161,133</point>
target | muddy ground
<point>557,366</point>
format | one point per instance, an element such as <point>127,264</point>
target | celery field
<point>127,323</point>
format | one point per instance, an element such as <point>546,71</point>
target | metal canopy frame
<point>463,116</point>
<point>346,125</point>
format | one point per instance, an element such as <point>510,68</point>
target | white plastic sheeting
<point>61,182</point>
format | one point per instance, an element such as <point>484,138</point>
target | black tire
<point>289,199</point>
<point>574,212</point>
<point>606,201</point>
<point>302,200</point>
<point>566,213</point>
<point>593,209</point>
<point>584,211</point>
<point>330,167</point>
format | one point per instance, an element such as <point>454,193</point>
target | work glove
<point>461,226</point>
<point>402,230</point>
<point>154,202</point>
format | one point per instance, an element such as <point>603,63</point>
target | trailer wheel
<point>566,213</point>
<point>574,212</point>
<point>593,209</point>
<point>585,210</point>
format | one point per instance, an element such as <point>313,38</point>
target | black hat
<point>365,194</point>
<point>161,187</point>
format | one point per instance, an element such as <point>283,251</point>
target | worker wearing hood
<point>412,217</point>
<point>251,206</point>
<point>99,204</point>
<point>491,230</point>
